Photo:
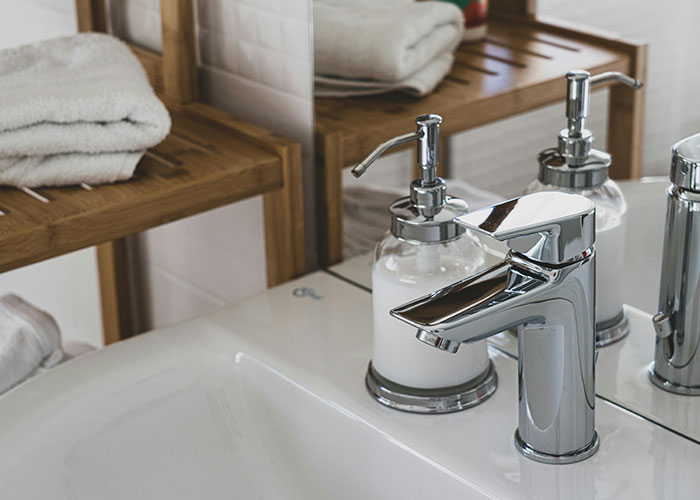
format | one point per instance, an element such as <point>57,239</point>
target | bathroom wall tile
<point>270,30</point>
<point>285,113</point>
<point>170,298</point>
<point>137,20</point>
<point>27,21</point>
<point>296,9</point>
<point>249,61</point>
<point>215,251</point>
<point>218,54</point>
<point>294,77</point>
<point>247,25</point>
<point>271,69</point>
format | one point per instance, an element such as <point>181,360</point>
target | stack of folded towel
<point>364,47</point>
<point>75,110</point>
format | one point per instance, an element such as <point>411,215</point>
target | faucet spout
<point>487,303</point>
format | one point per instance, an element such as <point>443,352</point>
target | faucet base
<point>432,401</point>
<point>568,458</point>
<point>609,332</point>
<point>669,386</point>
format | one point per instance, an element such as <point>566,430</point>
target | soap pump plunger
<point>424,250</point>
<point>575,167</point>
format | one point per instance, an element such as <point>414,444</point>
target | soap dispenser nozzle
<point>575,140</point>
<point>428,191</point>
<point>427,215</point>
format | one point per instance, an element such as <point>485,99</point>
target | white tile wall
<point>66,286</point>
<point>255,62</point>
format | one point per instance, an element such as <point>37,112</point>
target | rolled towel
<point>30,341</point>
<point>371,46</point>
<point>75,109</point>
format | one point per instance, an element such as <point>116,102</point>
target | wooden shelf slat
<point>519,67</point>
<point>201,165</point>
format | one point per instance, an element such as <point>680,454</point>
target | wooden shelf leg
<point>626,123</point>
<point>284,221</point>
<point>113,272</point>
<point>92,15</point>
<point>330,167</point>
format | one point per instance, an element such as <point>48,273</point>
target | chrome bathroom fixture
<point>547,290</point>
<point>575,167</point>
<point>425,249</point>
<point>676,366</point>
<point>427,215</point>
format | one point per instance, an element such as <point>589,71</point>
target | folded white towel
<point>387,43</point>
<point>75,109</point>
<point>419,84</point>
<point>30,341</point>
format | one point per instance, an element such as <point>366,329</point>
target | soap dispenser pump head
<point>574,163</point>
<point>427,214</point>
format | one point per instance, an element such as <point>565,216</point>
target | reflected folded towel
<point>370,46</point>
<point>75,109</point>
<point>30,341</point>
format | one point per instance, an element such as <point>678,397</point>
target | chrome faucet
<point>546,287</point>
<point>676,366</point>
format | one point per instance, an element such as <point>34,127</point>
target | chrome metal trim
<point>676,366</point>
<point>567,458</point>
<point>611,331</point>
<point>432,401</point>
<point>669,386</point>
<point>574,163</point>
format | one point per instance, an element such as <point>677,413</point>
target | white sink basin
<point>266,399</point>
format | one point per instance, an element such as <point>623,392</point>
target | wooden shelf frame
<point>210,159</point>
<point>519,67</point>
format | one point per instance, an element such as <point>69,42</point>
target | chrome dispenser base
<point>433,401</point>
<point>546,458</point>
<point>669,386</point>
<point>609,332</point>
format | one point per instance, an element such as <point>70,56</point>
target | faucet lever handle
<point>565,223</point>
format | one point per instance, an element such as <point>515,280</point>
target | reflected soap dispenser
<point>575,167</point>
<point>423,251</point>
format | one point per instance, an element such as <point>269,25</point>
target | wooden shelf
<point>519,67</point>
<point>201,165</point>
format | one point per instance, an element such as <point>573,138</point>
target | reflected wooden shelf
<point>519,67</point>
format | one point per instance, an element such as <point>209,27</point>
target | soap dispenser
<point>575,167</point>
<point>423,251</point>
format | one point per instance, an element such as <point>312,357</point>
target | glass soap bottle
<point>424,250</point>
<point>575,167</point>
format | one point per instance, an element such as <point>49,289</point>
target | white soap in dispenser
<point>425,250</point>
<point>575,167</point>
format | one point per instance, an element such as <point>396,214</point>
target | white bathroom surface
<point>266,399</point>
